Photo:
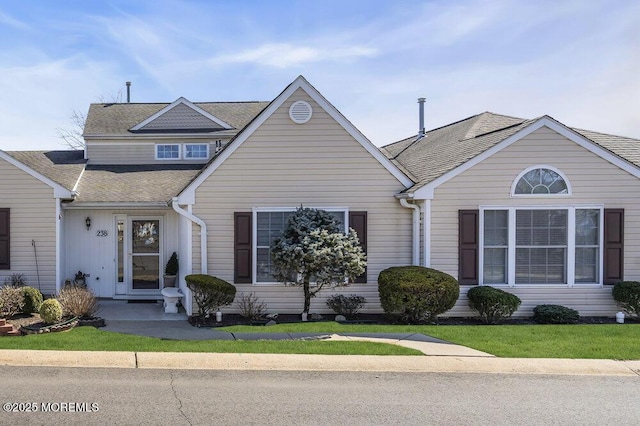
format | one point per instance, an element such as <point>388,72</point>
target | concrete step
<point>2,321</point>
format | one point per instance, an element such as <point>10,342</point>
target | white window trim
<point>571,245</point>
<point>540,166</point>
<point>184,151</point>
<point>155,151</point>
<point>254,235</point>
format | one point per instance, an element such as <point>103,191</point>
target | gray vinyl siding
<point>283,164</point>
<point>33,219</point>
<point>110,152</point>
<point>594,181</point>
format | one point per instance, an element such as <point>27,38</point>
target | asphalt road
<point>198,397</point>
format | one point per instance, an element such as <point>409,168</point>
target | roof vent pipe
<point>421,131</point>
<point>128,83</point>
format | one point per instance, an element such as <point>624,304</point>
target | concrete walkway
<point>182,330</point>
<point>149,319</point>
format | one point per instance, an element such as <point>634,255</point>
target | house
<point>213,182</point>
<point>534,207</point>
<point>531,206</point>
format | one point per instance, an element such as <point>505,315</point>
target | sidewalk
<point>275,362</point>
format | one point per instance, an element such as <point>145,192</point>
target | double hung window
<point>268,227</point>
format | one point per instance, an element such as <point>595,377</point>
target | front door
<point>145,256</point>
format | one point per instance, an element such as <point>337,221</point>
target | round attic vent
<point>300,112</point>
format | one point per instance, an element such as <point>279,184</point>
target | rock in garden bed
<point>42,327</point>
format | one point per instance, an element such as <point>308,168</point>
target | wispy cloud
<point>285,55</point>
<point>10,21</point>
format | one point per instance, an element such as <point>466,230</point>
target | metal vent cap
<point>300,112</point>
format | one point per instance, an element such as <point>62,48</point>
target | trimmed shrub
<point>346,305</point>
<point>210,293</point>
<point>555,314</point>
<point>627,296</point>
<point>11,301</point>
<point>416,293</point>
<point>51,311</point>
<point>32,300</point>
<point>492,304</point>
<point>172,265</point>
<point>250,306</point>
<point>77,301</point>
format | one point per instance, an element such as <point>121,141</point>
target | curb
<point>277,362</point>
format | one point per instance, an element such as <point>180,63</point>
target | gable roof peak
<point>181,114</point>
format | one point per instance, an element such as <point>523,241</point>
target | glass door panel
<point>146,272</point>
<point>145,254</point>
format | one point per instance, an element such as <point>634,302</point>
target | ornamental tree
<point>313,248</point>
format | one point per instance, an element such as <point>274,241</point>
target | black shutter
<point>4,239</point>
<point>243,231</point>
<point>613,245</point>
<point>468,246</point>
<point>358,221</point>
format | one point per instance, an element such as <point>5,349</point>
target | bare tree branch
<point>72,136</point>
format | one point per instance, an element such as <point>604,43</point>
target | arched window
<point>541,180</point>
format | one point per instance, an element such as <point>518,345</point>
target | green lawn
<point>92,339</point>
<point>603,341</point>
<point>600,341</point>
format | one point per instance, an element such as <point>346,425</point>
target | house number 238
<point>101,233</point>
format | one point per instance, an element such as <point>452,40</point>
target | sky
<point>576,61</point>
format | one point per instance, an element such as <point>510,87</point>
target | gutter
<point>203,232</point>
<point>416,229</point>
<point>156,205</point>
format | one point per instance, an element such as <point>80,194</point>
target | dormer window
<point>540,181</point>
<point>196,151</point>
<point>168,152</point>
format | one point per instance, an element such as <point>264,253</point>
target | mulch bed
<point>235,319</point>
<point>42,327</point>
<point>33,324</point>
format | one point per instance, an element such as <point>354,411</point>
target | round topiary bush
<point>627,296</point>
<point>492,304</point>
<point>416,293</point>
<point>32,300</point>
<point>51,311</point>
<point>555,314</point>
<point>210,293</point>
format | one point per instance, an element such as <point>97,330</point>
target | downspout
<point>416,229</point>
<point>203,232</point>
<point>58,245</point>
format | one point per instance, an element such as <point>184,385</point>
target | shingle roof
<point>63,167</point>
<point>445,148</point>
<point>128,184</point>
<point>117,119</point>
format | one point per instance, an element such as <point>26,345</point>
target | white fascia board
<point>187,196</point>
<point>59,191</point>
<point>427,191</point>
<point>184,101</point>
